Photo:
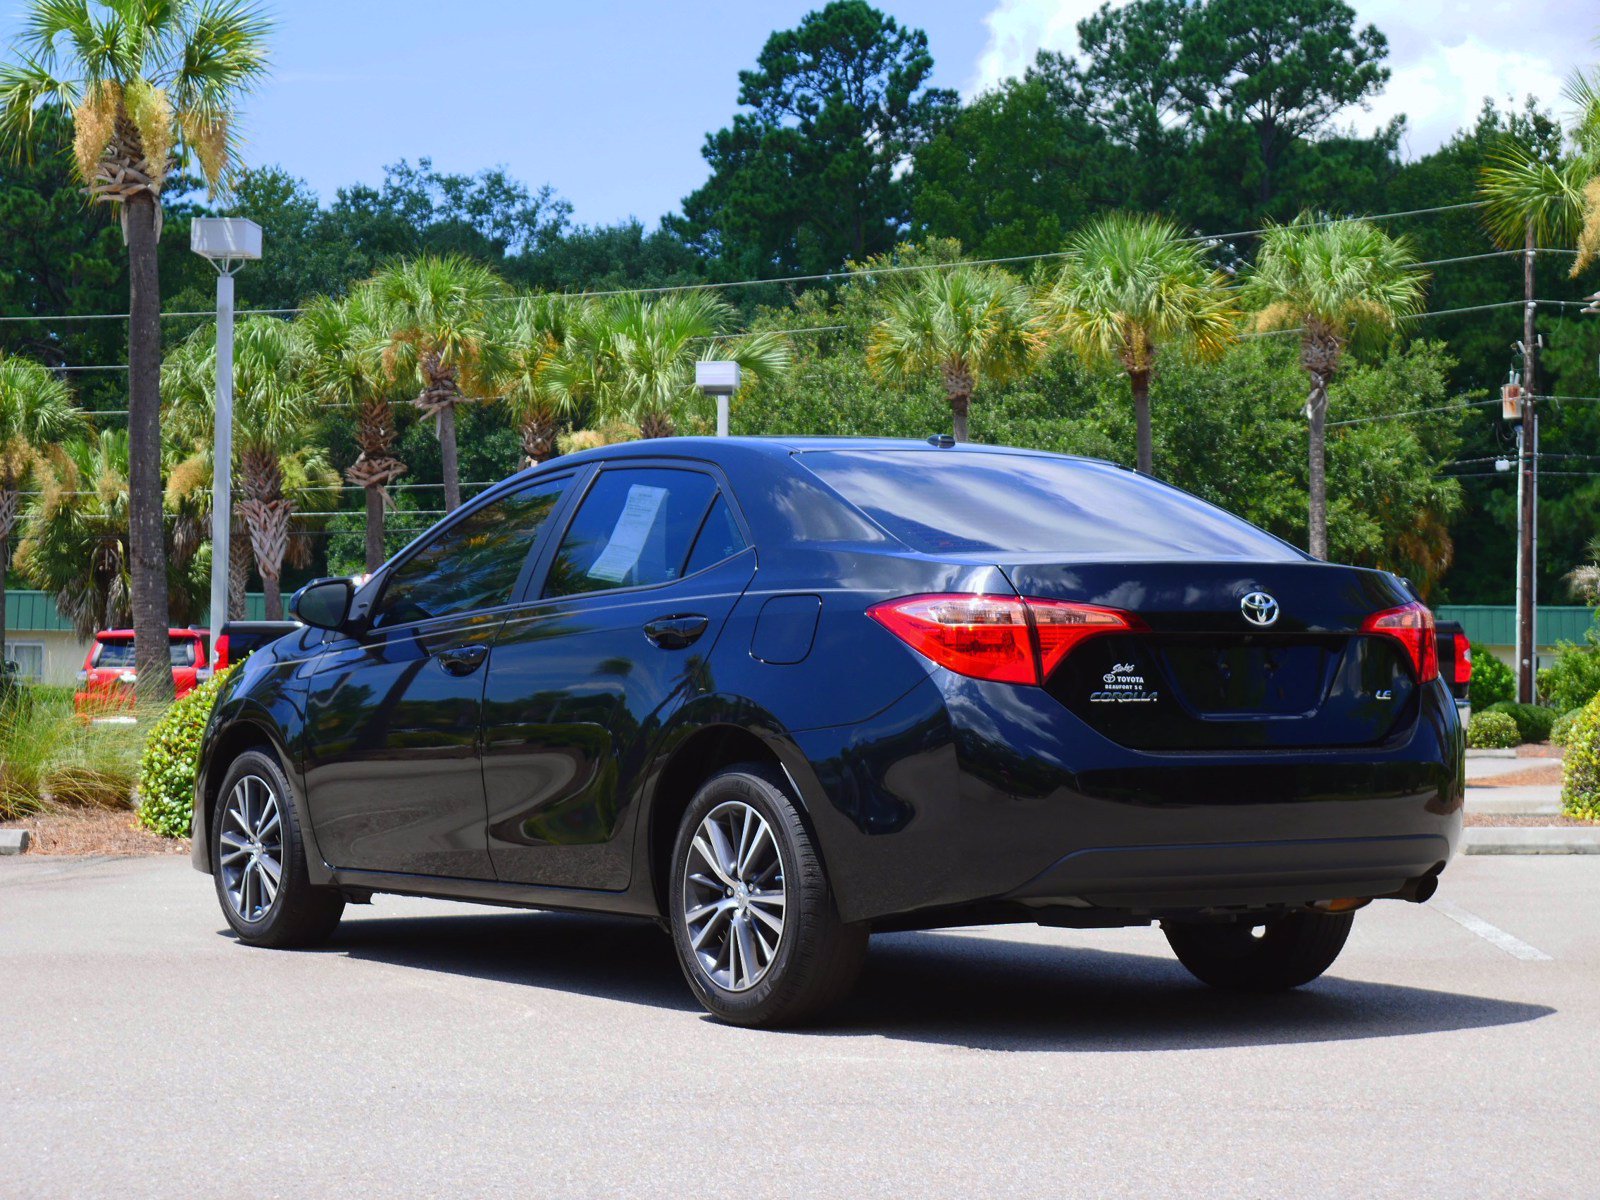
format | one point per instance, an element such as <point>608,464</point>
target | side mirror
<point>324,603</point>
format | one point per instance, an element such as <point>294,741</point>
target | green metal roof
<point>36,612</point>
<point>1496,624</point>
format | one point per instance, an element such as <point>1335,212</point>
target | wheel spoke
<point>709,856</point>
<point>771,922</point>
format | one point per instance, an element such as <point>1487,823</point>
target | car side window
<point>472,564</point>
<point>633,529</point>
<point>719,538</point>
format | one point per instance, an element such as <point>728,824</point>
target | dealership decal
<point>1121,685</point>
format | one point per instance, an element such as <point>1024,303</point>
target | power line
<point>819,277</point>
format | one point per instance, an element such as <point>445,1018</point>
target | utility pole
<point>1527,484</point>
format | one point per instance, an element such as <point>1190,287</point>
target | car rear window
<point>117,654</point>
<point>955,502</point>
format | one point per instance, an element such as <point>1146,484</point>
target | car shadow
<point>991,993</point>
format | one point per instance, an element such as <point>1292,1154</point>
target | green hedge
<point>1492,680</point>
<point>1533,720</point>
<point>1563,725</point>
<point>1574,678</point>
<point>171,760</point>
<point>1580,783</point>
<point>1491,731</point>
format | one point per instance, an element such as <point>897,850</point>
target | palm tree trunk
<point>1140,382</point>
<point>448,460</point>
<point>656,424</point>
<point>5,565</point>
<point>1316,474</point>
<point>958,389</point>
<point>238,570</point>
<point>538,439</point>
<point>147,549</point>
<point>374,528</point>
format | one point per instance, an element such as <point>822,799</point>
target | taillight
<point>1463,661</point>
<point>1004,638</point>
<point>1412,626</point>
<point>221,659</point>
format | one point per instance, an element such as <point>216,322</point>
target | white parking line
<point>1513,946</point>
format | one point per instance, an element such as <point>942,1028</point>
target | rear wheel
<point>1283,953</point>
<point>258,861</point>
<point>752,916</point>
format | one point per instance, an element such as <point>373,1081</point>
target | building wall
<point>58,652</point>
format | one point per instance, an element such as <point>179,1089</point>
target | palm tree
<point>1337,283</point>
<point>1130,286</point>
<point>345,340</point>
<point>633,358</point>
<point>36,413</point>
<point>1530,200</point>
<point>971,325</point>
<point>1583,581</point>
<point>150,84</point>
<point>440,337</point>
<point>273,410</point>
<point>75,540</point>
<point>530,336</point>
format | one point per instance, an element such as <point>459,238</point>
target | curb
<point>14,841</point>
<point>1525,839</point>
<point>1491,753</point>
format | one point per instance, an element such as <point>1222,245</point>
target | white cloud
<point>1444,56</point>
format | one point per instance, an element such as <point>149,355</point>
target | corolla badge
<point>1259,609</point>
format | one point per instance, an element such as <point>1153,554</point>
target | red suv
<point>106,681</point>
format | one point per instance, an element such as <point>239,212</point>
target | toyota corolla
<point>779,694</point>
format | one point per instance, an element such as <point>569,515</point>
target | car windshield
<point>1032,504</point>
<point>116,654</point>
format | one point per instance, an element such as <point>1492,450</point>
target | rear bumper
<point>966,793</point>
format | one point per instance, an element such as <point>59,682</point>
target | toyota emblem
<point>1259,609</point>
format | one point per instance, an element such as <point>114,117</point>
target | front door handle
<point>463,660</point>
<point>676,632</point>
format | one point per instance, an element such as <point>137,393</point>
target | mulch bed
<point>1496,819</point>
<point>1542,774</point>
<point>94,831</point>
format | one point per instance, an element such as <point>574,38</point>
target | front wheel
<point>753,919</point>
<point>258,860</point>
<point>1282,953</point>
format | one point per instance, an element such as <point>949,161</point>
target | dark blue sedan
<point>776,694</point>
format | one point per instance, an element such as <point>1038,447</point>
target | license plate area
<point>1251,677</point>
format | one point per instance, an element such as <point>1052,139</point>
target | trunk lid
<point>1203,675</point>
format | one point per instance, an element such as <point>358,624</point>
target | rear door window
<point>634,529</point>
<point>959,502</point>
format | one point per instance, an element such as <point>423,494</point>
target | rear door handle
<point>676,632</point>
<point>463,660</point>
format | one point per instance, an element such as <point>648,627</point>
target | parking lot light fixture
<point>227,243</point>
<point>718,378</point>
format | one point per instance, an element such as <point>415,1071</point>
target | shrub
<point>1580,782</point>
<point>1558,731</point>
<point>1491,731</point>
<point>1533,720</point>
<point>1492,680</point>
<point>1574,678</point>
<point>172,758</point>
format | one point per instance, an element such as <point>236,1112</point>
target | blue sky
<point>607,101</point>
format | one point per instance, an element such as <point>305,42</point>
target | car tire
<point>255,831</point>
<point>1283,953</point>
<point>728,891</point>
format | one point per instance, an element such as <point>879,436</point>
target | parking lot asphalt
<point>447,1050</point>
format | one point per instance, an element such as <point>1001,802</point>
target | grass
<point>50,758</point>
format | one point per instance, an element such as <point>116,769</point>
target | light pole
<point>227,243</point>
<point>719,379</point>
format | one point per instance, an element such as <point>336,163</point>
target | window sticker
<point>628,537</point>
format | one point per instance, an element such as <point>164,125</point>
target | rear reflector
<point>1004,638</point>
<point>1412,626</point>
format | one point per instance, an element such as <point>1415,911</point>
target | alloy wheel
<point>734,896</point>
<point>251,838</point>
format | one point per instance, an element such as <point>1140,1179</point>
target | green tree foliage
<point>1574,678</point>
<point>1492,681</point>
<point>810,176</point>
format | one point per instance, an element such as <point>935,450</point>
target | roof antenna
<point>942,440</point>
